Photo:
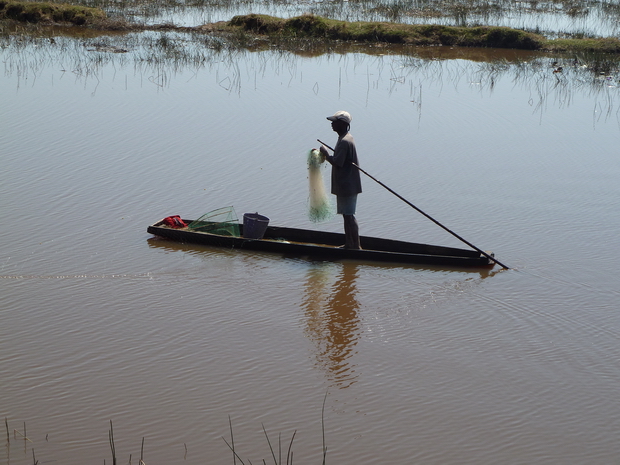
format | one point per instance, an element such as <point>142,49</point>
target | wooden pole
<point>490,257</point>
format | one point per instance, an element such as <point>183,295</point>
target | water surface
<point>100,321</point>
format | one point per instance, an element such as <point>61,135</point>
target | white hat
<point>341,115</point>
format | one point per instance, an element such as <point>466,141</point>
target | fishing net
<point>223,222</point>
<point>320,207</point>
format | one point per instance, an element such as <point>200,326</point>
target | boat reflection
<point>206,250</point>
<point>333,324</point>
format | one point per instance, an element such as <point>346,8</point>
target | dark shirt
<point>345,177</point>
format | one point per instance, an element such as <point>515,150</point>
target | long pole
<point>490,257</point>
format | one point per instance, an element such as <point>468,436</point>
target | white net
<point>320,206</point>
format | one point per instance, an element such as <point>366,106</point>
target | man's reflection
<point>332,319</point>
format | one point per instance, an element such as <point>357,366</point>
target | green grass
<point>318,28</point>
<point>311,26</point>
<point>45,12</point>
<point>245,29</point>
<point>609,45</point>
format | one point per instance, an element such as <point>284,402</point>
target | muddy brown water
<point>100,321</point>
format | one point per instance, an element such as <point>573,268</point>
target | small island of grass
<point>316,28</point>
<point>46,12</point>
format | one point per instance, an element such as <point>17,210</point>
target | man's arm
<point>326,154</point>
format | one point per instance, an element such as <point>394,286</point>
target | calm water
<point>100,321</point>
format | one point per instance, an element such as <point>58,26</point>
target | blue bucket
<point>254,225</point>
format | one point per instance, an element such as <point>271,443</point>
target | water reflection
<point>332,319</point>
<point>412,73</point>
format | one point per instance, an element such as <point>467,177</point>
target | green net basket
<point>223,222</point>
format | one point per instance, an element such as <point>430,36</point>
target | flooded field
<point>102,322</point>
<point>554,18</point>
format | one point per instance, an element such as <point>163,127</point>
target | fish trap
<point>223,222</point>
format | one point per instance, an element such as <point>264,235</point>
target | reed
<point>323,428</point>
<point>457,13</point>
<point>111,440</point>
<point>250,31</point>
<point>149,55</point>
<point>277,459</point>
<point>26,438</point>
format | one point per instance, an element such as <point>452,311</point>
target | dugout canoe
<point>321,245</point>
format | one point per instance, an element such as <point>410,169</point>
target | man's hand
<point>324,154</point>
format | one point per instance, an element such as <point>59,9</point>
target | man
<point>346,182</point>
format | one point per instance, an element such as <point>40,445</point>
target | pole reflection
<point>331,307</point>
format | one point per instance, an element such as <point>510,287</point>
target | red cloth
<point>174,222</point>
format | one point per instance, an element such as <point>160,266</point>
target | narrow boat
<point>326,246</point>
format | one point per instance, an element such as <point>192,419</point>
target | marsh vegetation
<point>34,12</point>
<point>588,18</point>
<point>251,29</point>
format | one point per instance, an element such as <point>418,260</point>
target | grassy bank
<point>316,27</point>
<point>245,29</point>
<point>44,12</point>
<point>609,45</point>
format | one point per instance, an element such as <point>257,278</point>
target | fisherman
<point>346,182</point>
